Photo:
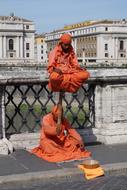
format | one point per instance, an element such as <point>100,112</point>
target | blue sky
<point>49,15</point>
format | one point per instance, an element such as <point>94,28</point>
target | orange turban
<point>66,38</point>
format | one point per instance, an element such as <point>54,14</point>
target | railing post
<point>5,145</point>
<point>2,112</point>
<point>111,111</point>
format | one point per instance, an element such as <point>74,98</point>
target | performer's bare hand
<point>57,70</point>
<point>82,146</point>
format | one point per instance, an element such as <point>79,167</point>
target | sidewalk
<point>23,166</point>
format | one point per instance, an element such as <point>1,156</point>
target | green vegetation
<point>40,111</point>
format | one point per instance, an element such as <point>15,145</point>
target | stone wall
<point>110,107</point>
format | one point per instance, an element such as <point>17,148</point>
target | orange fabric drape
<point>54,148</point>
<point>72,76</point>
<point>92,173</point>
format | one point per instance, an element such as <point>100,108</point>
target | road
<point>72,183</point>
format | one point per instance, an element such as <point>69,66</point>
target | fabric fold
<point>91,173</point>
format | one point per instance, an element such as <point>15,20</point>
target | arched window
<point>11,44</point>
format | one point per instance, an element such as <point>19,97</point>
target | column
<point>100,50</point>
<point>4,46</point>
<point>75,46</point>
<point>17,47</point>
<point>1,47</point>
<point>31,42</point>
<point>83,55</point>
<point>21,47</point>
<point>116,49</point>
<point>113,48</point>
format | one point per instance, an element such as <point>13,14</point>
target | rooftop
<point>12,17</point>
<point>90,23</point>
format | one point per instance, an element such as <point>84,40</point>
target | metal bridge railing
<point>26,104</point>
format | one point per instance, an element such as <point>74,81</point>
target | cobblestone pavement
<point>72,183</point>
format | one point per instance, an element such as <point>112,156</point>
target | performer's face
<point>65,47</point>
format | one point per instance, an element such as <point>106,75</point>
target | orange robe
<point>54,148</point>
<point>72,76</point>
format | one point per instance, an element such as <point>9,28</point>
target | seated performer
<point>59,142</point>
<point>65,72</point>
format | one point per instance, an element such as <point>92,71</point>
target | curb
<point>45,175</point>
<point>115,168</point>
<point>109,169</point>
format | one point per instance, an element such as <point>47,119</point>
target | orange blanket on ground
<point>72,77</point>
<point>54,148</point>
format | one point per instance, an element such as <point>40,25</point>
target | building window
<point>121,55</point>
<point>11,44</point>
<point>106,46</point>
<point>42,46</point>
<point>106,54</point>
<point>106,28</point>
<point>41,57</point>
<point>27,26</point>
<point>42,41</point>
<point>11,54</point>
<point>121,45</point>
<point>27,55</point>
<point>41,51</point>
<point>27,46</point>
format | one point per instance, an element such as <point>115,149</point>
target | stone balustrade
<point>110,107</point>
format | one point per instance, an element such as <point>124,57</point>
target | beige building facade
<point>16,40</point>
<point>95,41</point>
<point>40,49</point>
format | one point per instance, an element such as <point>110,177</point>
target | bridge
<point>98,110</point>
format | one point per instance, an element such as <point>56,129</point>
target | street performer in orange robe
<point>65,72</point>
<point>59,142</point>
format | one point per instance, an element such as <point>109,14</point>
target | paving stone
<point>73,183</point>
